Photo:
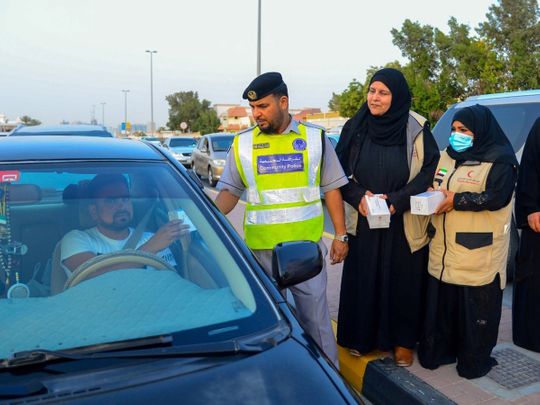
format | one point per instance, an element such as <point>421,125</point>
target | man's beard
<point>271,129</point>
<point>274,126</point>
<point>121,221</point>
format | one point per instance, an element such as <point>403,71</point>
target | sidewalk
<point>516,380</point>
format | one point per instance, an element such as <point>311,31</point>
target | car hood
<point>287,373</point>
<point>182,149</point>
<point>219,155</point>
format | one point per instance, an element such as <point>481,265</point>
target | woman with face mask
<point>468,252</point>
<point>385,149</point>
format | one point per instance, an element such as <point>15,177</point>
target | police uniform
<point>291,154</point>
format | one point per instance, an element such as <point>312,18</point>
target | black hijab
<point>490,143</point>
<point>388,129</point>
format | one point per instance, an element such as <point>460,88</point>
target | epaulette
<point>246,130</point>
<point>310,124</point>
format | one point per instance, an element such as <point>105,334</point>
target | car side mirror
<point>295,262</point>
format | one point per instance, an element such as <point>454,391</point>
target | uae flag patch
<point>442,172</point>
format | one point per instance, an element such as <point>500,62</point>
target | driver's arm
<point>167,234</point>
<point>75,261</point>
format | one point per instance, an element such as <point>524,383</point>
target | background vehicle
<point>333,137</point>
<point>211,326</point>
<point>515,112</point>
<point>70,130</point>
<point>181,147</point>
<point>152,139</point>
<point>210,154</point>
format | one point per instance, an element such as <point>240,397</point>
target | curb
<point>385,383</point>
<point>378,379</point>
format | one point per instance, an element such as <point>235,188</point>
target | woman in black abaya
<point>526,305</point>
<point>468,252</point>
<point>382,282</point>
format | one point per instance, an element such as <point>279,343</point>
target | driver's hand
<point>167,234</point>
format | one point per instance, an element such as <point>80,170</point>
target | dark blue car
<point>64,130</point>
<point>206,326</point>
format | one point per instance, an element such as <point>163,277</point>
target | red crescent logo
<point>469,174</point>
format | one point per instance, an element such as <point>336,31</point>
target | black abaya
<point>381,288</point>
<point>526,304</point>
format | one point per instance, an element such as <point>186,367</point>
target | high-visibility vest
<point>281,173</point>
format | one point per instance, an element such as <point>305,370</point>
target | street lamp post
<point>151,52</point>
<point>259,42</point>
<point>103,113</point>
<point>125,108</point>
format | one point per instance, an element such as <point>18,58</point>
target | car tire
<point>211,178</point>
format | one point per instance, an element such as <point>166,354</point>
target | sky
<point>60,59</point>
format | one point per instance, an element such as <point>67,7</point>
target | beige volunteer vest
<point>469,248</point>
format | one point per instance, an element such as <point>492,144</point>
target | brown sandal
<point>403,357</point>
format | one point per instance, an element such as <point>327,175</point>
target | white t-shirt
<point>92,240</point>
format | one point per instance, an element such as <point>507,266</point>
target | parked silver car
<point>210,154</point>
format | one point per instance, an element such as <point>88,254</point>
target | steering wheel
<point>95,264</point>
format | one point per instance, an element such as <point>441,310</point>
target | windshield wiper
<point>218,348</point>
<point>37,356</point>
<point>154,346</point>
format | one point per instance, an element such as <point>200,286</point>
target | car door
<point>196,156</point>
<point>204,151</point>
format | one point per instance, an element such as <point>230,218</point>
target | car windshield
<point>222,143</point>
<point>516,121</point>
<point>199,289</point>
<point>182,142</point>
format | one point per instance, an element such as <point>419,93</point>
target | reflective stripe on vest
<point>284,215</point>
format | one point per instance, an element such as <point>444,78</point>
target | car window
<point>204,293</point>
<point>182,142</point>
<point>204,144</point>
<point>222,143</point>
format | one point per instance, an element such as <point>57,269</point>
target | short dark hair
<point>101,181</point>
<point>281,91</point>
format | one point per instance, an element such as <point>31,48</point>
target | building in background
<point>6,125</point>
<point>236,119</point>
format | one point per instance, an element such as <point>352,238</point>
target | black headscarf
<point>387,129</point>
<point>490,143</point>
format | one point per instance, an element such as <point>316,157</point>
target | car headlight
<point>219,162</point>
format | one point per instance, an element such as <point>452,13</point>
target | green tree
<point>26,120</point>
<point>351,99</point>
<point>513,30</point>
<point>333,104</point>
<point>417,44</point>
<point>185,106</point>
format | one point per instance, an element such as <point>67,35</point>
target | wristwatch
<point>342,238</point>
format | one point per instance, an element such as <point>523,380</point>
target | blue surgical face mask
<point>460,142</point>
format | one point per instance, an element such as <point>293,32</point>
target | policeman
<point>285,165</point>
